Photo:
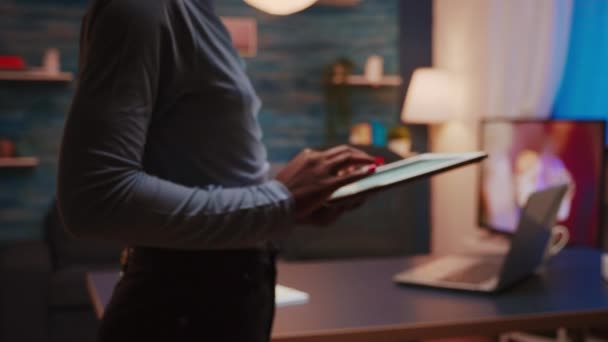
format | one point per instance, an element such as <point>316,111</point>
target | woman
<point>162,151</point>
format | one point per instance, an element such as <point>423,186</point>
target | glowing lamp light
<point>281,7</point>
<point>430,97</point>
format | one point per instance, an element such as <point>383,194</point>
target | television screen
<point>525,156</point>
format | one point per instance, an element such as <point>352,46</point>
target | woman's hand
<point>312,176</point>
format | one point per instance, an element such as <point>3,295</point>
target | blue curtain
<point>583,93</point>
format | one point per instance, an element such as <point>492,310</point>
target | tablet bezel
<point>456,160</point>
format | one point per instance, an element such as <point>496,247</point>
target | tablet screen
<point>391,175</point>
<point>423,165</point>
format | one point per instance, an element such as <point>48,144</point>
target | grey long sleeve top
<point>162,146</point>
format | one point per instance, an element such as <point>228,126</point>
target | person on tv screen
<point>525,158</point>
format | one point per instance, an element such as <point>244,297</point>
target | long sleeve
<point>104,192</point>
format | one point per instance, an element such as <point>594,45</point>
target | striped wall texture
<point>288,73</point>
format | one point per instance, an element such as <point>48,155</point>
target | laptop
<point>492,273</point>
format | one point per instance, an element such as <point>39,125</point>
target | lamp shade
<point>281,7</point>
<point>430,97</point>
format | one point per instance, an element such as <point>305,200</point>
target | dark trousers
<point>192,296</point>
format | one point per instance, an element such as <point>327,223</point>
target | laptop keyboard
<point>475,274</point>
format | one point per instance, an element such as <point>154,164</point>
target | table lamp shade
<point>430,97</point>
<point>281,7</point>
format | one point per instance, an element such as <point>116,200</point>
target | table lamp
<point>281,7</point>
<point>430,97</point>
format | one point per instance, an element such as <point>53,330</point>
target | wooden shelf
<point>35,75</point>
<point>386,81</point>
<point>18,162</point>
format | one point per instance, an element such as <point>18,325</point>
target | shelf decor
<point>12,63</point>
<point>8,158</point>
<point>50,71</point>
<point>373,75</point>
<point>244,34</point>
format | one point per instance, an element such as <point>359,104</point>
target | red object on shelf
<point>12,63</point>
<point>7,148</point>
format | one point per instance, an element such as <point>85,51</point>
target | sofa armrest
<point>25,271</point>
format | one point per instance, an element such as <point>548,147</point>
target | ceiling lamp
<point>281,7</point>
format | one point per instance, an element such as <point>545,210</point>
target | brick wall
<point>288,72</point>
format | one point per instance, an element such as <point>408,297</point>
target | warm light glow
<point>281,7</point>
<point>430,97</point>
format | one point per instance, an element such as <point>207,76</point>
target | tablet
<point>406,170</point>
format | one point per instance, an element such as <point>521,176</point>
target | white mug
<point>558,241</point>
